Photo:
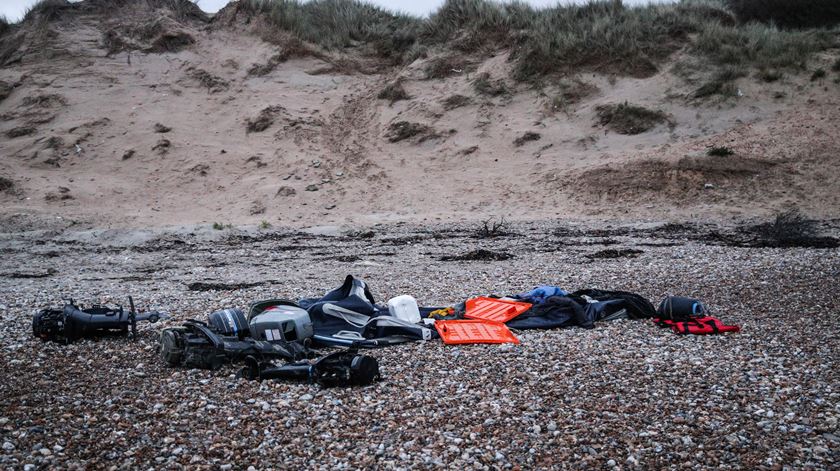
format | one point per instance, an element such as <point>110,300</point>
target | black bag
<point>680,309</point>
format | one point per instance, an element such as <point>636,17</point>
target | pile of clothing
<point>349,315</point>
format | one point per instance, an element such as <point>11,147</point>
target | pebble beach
<point>624,395</point>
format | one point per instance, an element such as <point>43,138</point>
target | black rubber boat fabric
<point>348,315</point>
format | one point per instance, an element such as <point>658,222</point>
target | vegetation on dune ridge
<point>335,24</point>
<point>4,25</point>
<point>788,13</point>
<point>51,10</point>
<point>600,35</point>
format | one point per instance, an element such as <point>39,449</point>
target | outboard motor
<point>196,345</point>
<point>229,322</point>
<point>73,322</point>
<point>283,322</point>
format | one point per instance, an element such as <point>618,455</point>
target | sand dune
<point>254,133</point>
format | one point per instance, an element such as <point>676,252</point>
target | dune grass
<point>335,24</point>
<point>52,10</point>
<point>788,14</point>
<point>393,92</point>
<point>629,119</point>
<point>605,36</point>
<point>722,83</point>
<point>48,10</point>
<point>762,46</point>
<point>5,26</point>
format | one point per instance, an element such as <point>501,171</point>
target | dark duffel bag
<point>680,309</point>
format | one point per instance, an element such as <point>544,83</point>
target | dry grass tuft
<point>455,101</point>
<point>529,136</point>
<point>483,85</point>
<point>722,84</point>
<point>264,120</point>
<point>447,66</point>
<point>402,130</point>
<point>393,92</point>
<point>212,83</point>
<point>20,131</point>
<point>792,229</point>
<point>629,119</point>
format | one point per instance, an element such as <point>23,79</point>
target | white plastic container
<point>404,307</point>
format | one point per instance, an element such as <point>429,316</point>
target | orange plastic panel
<point>474,331</point>
<point>491,309</point>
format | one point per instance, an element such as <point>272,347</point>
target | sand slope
<point>79,140</point>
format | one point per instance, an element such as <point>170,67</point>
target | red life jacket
<point>698,326</point>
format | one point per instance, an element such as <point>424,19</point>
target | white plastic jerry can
<point>405,308</point>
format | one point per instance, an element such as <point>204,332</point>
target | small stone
<point>306,397</point>
<point>312,188</point>
<point>8,446</point>
<point>611,463</point>
<point>226,467</point>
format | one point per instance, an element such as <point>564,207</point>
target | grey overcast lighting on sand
<point>13,10</point>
